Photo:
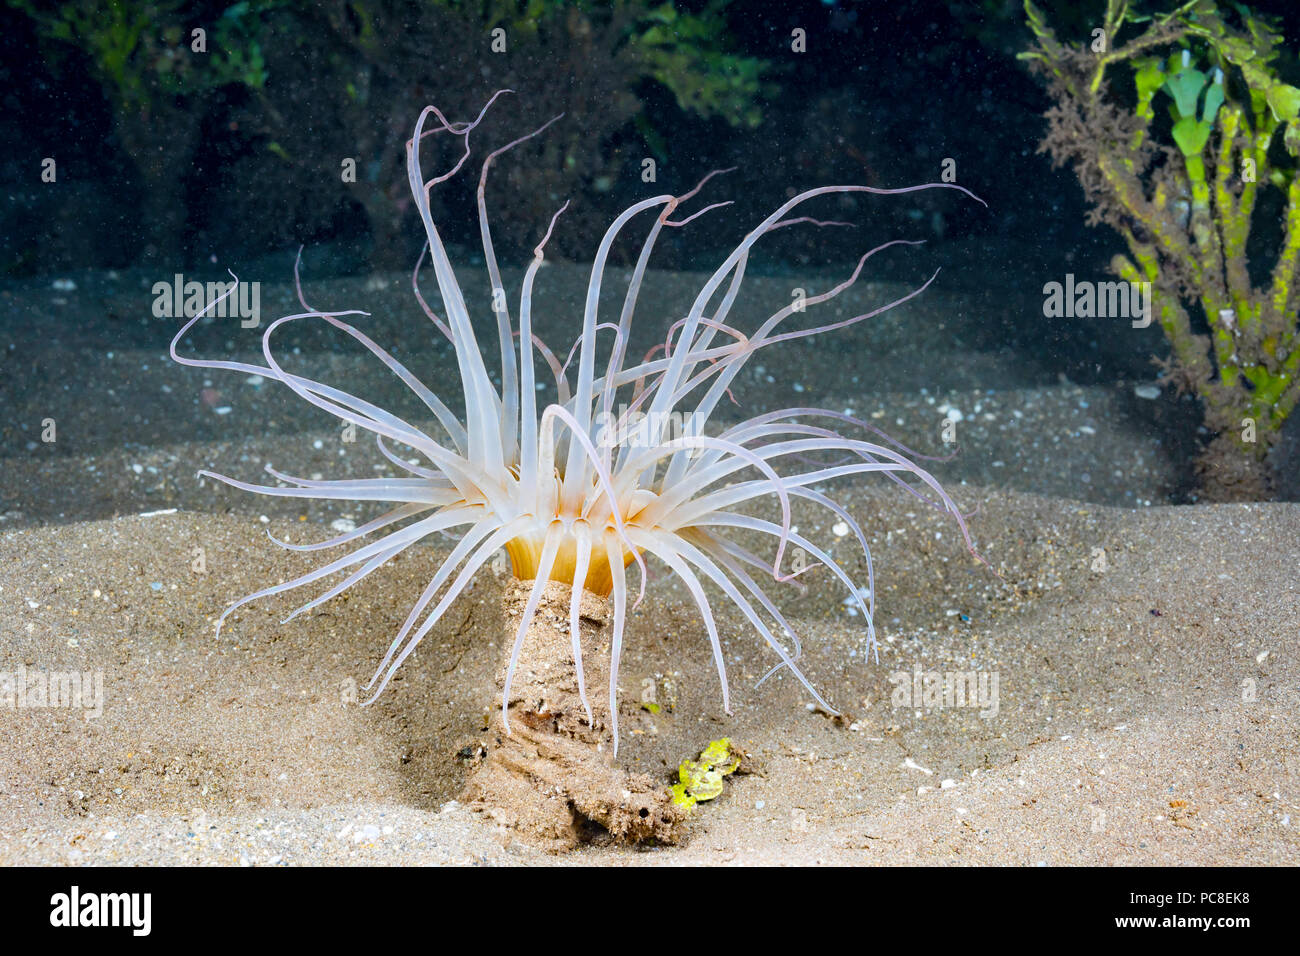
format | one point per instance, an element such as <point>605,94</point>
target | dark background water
<point>886,90</point>
<point>176,163</point>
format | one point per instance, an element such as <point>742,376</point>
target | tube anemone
<point>620,469</point>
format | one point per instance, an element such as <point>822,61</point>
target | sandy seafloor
<point>1147,706</point>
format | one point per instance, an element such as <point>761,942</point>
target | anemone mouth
<point>525,553</point>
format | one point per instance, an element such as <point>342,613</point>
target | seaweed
<point>1184,193</point>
